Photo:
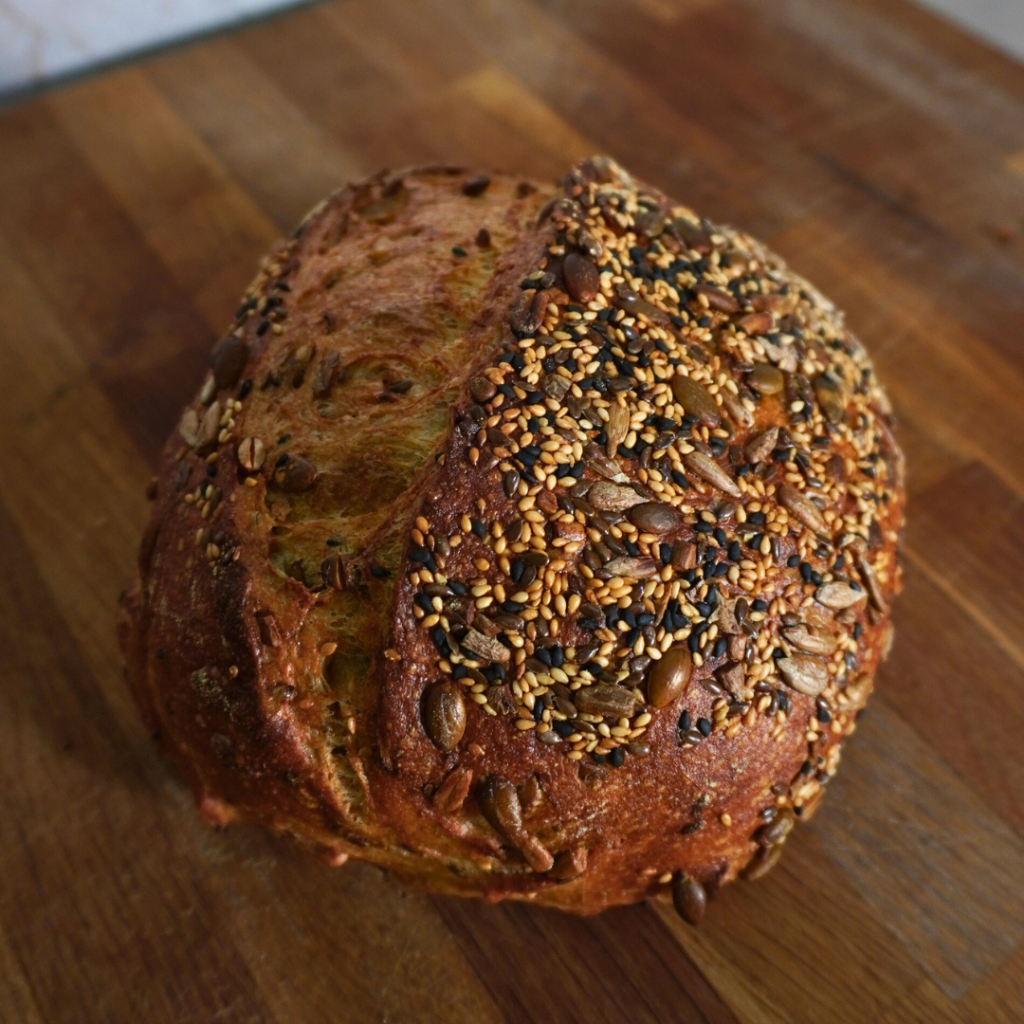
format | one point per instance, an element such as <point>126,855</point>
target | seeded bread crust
<point>531,543</point>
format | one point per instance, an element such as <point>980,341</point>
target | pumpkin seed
<point>767,379</point>
<point>228,360</point>
<point>669,677</point>
<point>656,517</point>
<point>295,475</point>
<point>761,863</point>
<point>528,313</point>
<point>689,898</point>
<point>481,389</point>
<point>696,400</point>
<point>499,802</point>
<point>582,280</point>
<point>444,715</point>
<point>777,829</point>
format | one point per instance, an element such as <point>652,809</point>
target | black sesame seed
<point>685,722</point>
<point>704,725</point>
<point>457,250</point>
<point>793,561</point>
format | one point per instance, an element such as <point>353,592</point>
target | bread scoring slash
<point>526,542</point>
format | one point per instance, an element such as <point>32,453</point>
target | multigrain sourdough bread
<point>527,542</point>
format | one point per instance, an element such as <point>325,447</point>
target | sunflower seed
<point>830,397</point>
<point>718,299</point>
<point>326,374</point>
<point>484,647</point>
<point>635,568</point>
<point>609,497</point>
<point>736,409</point>
<point>756,323</point>
<point>871,584</point>
<point>209,429</point>
<point>838,595</point>
<point>605,699</point>
<point>811,643</point>
<point>569,864</point>
<point>803,673</point>
<point>534,852</point>
<point>555,386</point>
<point>617,427</point>
<point>189,427</point>
<point>731,677</point>
<point>762,446</point>
<point>708,470</point>
<point>452,793</point>
<point>802,508</point>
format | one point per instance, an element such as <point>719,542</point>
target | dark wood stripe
<point>145,343</point>
<point>546,967</point>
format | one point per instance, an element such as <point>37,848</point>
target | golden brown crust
<point>490,556</point>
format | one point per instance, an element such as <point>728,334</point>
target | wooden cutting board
<point>879,150</point>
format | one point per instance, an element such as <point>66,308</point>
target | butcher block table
<point>878,149</point>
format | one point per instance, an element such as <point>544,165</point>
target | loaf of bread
<point>528,542</point>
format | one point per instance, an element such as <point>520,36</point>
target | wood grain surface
<point>878,149</point>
